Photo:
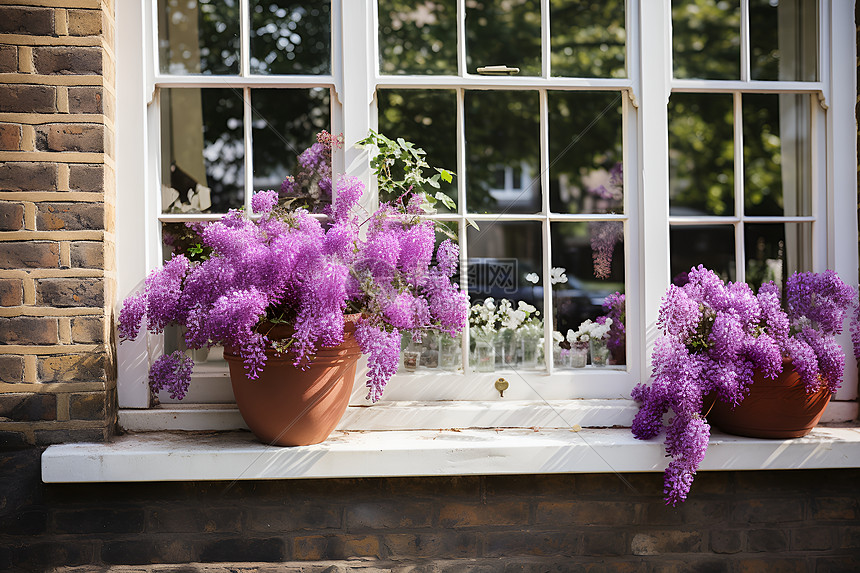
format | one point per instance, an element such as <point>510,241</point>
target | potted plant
<point>285,290</point>
<point>720,340</point>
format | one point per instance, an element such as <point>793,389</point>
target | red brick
<point>85,22</point>
<point>88,367</point>
<point>812,539</point>
<point>29,254</point>
<point>10,137</point>
<point>88,329</point>
<point>772,564</point>
<point>23,98</point>
<point>11,292</point>
<point>436,544</point>
<point>87,254</point>
<point>376,515</point>
<point>325,547</point>
<point>11,368</point>
<point>85,99</point>
<point>23,176</point>
<point>71,292</point>
<point>28,407</point>
<point>82,137</point>
<point>11,216</point>
<point>835,508</point>
<point>8,59</point>
<point>67,60</point>
<point>585,512</point>
<point>70,216</point>
<point>26,20</point>
<point>29,330</point>
<point>470,515</point>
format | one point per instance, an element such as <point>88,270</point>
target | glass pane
<point>290,37</point>
<point>285,123</point>
<point>198,36</point>
<point>502,150</point>
<point>709,245</point>
<point>774,251</point>
<point>585,152</point>
<point>777,154</point>
<point>503,32</point>
<point>502,259</point>
<point>418,37</point>
<point>202,150</point>
<point>427,118</point>
<point>784,40</point>
<point>701,154</point>
<point>706,41</point>
<point>588,38</point>
<point>588,267</point>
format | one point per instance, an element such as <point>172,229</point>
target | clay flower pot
<point>778,408</point>
<point>288,406</point>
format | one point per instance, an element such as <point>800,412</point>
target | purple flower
<point>264,201</point>
<point>171,372</point>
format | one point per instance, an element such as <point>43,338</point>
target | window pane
<point>285,123</point>
<point>290,37</point>
<point>777,154</point>
<point>202,150</point>
<point>784,40</point>
<point>701,154</point>
<point>501,257</point>
<point>585,152</point>
<point>588,38</point>
<point>502,150</point>
<point>774,251</point>
<point>418,37</point>
<point>591,257</point>
<point>706,40</point>
<point>709,245</point>
<point>427,118</point>
<point>504,32</point>
<point>198,36</point>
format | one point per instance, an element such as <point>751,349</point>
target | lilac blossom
<point>171,372</point>
<point>604,236</point>
<point>264,201</point>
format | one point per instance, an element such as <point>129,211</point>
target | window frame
<point>355,71</point>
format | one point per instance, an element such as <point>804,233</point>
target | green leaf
<point>447,176</point>
<point>473,224</point>
<point>447,201</point>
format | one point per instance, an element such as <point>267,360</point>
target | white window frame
<point>545,400</point>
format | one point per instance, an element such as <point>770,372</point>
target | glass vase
<point>560,357</point>
<point>579,355</point>
<point>450,353</point>
<point>484,353</point>
<point>530,347</point>
<point>599,352</point>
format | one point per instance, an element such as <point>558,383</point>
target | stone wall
<point>807,520</point>
<point>57,379</point>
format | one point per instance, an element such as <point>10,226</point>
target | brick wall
<point>789,521</point>
<point>56,220</point>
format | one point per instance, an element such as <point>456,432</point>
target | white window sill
<point>188,456</point>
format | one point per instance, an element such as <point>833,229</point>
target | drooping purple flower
<point>383,355</point>
<point>171,372</point>
<point>264,201</point>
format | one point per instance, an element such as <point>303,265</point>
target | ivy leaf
<point>447,201</point>
<point>446,175</point>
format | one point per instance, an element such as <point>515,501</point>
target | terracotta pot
<point>778,408</point>
<point>288,406</point>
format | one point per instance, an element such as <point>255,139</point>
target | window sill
<point>189,456</point>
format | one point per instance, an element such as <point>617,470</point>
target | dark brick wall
<point>734,521</point>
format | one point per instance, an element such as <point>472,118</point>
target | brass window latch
<point>498,71</point>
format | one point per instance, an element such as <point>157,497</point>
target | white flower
<point>557,275</point>
<point>490,303</point>
<point>526,307</point>
<point>532,278</point>
<point>557,336</point>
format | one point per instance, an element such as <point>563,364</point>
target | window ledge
<point>189,456</point>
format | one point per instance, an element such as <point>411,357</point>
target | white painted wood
<point>232,456</point>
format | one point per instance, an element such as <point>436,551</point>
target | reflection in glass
<point>504,32</point>
<point>777,154</point>
<point>285,123</point>
<point>591,256</point>
<point>588,38</point>
<point>585,152</point>
<point>290,37</point>
<point>202,150</point>
<point>502,148</point>
<point>427,118</point>
<point>701,154</point>
<point>418,37</point>
<point>774,251</point>
<point>198,36</point>
<point>706,41</point>
<point>709,245</point>
<point>784,40</point>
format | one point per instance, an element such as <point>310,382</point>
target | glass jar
<point>579,355</point>
<point>599,352</point>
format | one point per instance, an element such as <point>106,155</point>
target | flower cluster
<point>287,267</point>
<point>616,311</point>
<point>488,318</point>
<point>590,329</point>
<point>312,183</point>
<point>716,335</point>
